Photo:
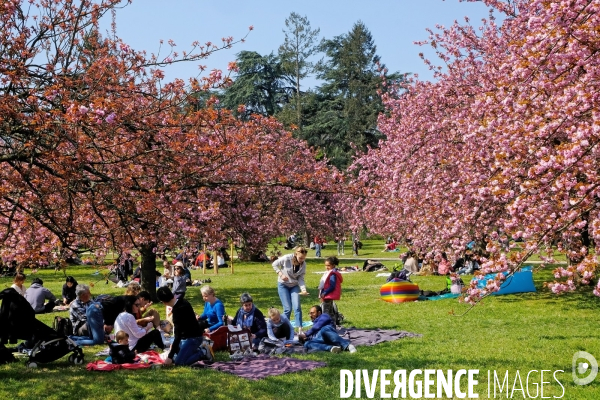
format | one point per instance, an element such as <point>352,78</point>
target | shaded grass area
<point>512,333</point>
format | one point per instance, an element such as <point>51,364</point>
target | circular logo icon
<point>580,367</point>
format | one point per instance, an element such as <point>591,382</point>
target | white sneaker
<point>351,348</point>
<point>336,349</point>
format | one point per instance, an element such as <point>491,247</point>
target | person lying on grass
<point>322,336</point>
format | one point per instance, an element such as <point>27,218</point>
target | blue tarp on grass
<point>519,282</point>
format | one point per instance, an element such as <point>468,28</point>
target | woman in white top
<point>18,284</point>
<point>291,269</point>
<point>140,338</point>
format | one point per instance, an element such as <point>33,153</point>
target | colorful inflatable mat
<point>399,291</point>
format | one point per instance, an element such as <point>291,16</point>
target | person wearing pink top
<point>444,265</point>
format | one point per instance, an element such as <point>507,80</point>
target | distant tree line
<point>339,117</point>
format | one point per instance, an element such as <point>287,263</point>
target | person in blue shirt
<point>322,336</point>
<point>214,310</point>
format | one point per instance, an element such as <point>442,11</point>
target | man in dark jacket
<point>322,336</point>
<point>187,345</point>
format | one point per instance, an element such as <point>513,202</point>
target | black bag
<point>399,273</point>
<point>63,326</point>
<point>6,355</point>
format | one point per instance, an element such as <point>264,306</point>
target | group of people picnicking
<point>416,263</point>
<point>132,326</point>
<point>40,298</point>
<point>291,269</point>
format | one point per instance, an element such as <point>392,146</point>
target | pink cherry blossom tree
<point>99,152</point>
<point>504,141</point>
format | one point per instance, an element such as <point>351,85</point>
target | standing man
<point>323,336</point>
<point>339,240</point>
<point>318,246</point>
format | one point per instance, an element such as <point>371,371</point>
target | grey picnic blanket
<point>370,337</point>
<point>262,366</point>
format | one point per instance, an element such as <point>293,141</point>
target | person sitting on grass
<point>68,290</point>
<point>37,295</point>
<point>411,264</point>
<point>133,289</point>
<point>87,318</point>
<point>18,284</point>
<point>444,265</point>
<point>186,348</point>
<point>469,265</point>
<point>145,313</point>
<point>248,316</point>
<point>322,336</point>
<point>119,350</point>
<point>278,326</point>
<point>214,310</point>
<point>140,339</point>
<point>391,246</point>
<point>221,260</point>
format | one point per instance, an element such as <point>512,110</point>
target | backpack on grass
<point>63,326</point>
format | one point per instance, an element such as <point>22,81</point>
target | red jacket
<point>337,291</point>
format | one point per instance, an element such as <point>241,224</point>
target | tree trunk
<point>307,238</point>
<point>148,270</point>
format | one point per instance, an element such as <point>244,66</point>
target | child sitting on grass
<point>119,350</point>
<point>278,326</point>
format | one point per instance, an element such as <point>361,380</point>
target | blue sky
<point>395,25</point>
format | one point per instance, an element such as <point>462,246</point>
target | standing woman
<point>291,269</point>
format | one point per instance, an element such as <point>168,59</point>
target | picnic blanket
<point>262,366</point>
<point>148,359</point>
<point>370,337</point>
<point>441,296</point>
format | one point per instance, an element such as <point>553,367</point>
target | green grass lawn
<point>535,331</point>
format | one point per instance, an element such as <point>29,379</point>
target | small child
<point>119,351</point>
<point>330,287</point>
<point>278,326</point>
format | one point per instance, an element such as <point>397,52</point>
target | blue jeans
<point>189,351</point>
<point>95,325</point>
<point>317,250</point>
<point>290,298</point>
<point>340,247</point>
<point>325,339</point>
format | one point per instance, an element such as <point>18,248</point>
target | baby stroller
<point>17,321</point>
